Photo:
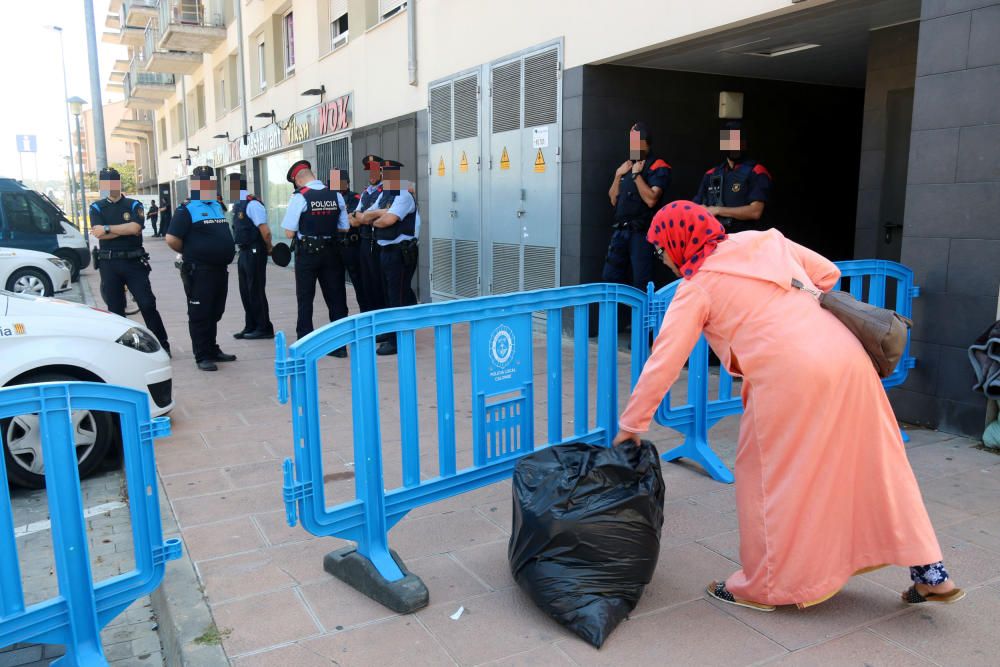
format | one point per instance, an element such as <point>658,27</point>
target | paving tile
<point>276,528</point>
<point>172,462</point>
<point>401,642</point>
<point>700,635</point>
<point>859,603</point>
<point>948,458</point>
<point>725,544</point>
<point>493,626</point>
<point>253,474</point>
<point>858,649</point>
<point>943,516</point>
<point>228,504</point>
<point>976,492</point>
<point>338,606</point>
<point>445,579</point>
<point>686,521</point>
<point>681,576</point>
<point>543,656</point>
<point>242,435</point>
<point>284,620</point>
<point>295,655</point>
<point>242,576</point>
<point>413,538</point>
<point>957,634</point>
<point>983,531</point>
<point>198,483</point>
<point>303,561</point>
<point>488,562</point>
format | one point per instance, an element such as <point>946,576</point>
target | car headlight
<point>139,339</point>
<point>58,262</point>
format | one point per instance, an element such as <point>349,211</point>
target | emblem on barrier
<point>502,345</point>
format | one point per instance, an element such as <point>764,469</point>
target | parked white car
<point>50,340</point>
<point>33,272</point>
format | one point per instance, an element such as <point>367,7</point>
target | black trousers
<point>206,287</point>
<point>116,275</point>
<point>350,255</point>
<point>398,268</point>
<point>152,221</point>
<point>251,267</point>
<point>326,268</point>
<point>371,273</point>
<point>629,260</point>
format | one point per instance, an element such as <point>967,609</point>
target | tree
<point>127,172</point>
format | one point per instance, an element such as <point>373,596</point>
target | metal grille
<point>441,265</point>
<point>466,268</point>
<point>506,94</point>
<point>541,88</point>
<point>466,107</point>
<point>332,155</point>
<point>441,114</point>
<point>506,268</point>
<point>539,267</point>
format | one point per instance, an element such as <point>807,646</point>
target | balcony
<point>163,61</point>
<point>112,22</point>
<point>191,25</point>
<point>137,13</point>
<point>127,36</point>
<point>133,129</point>
<point>145,90</point>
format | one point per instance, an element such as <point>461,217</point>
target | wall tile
<point>956,99</point>
<point>933,8</point>
<point>984,41</point>
<point>928,257</point>
<point>979,151</point>
<point>974,267</point>
<point>951,319</point>
<point>959,210</point>
<point>943,44</point>
<point>933,156</point>
<point>955,376</point>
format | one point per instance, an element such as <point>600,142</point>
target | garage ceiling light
<point>782,50</point>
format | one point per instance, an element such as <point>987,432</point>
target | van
<point>31,221</point>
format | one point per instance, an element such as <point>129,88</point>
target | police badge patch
<point>242,216</point>
<point>126,217</point>
<point>736,187</point>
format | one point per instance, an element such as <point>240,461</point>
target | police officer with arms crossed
<point>635,193</point>
<point>735,191</point>
<point>253,238</point>
<point>199,230</point>
<point>350,239</point>
<point>369,251</point>
<point>396,227</point>
<point>117,222</point>
<point>313,217</point>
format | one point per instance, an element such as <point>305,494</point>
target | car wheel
<point>93,434</point>
<point>73,260</point>
<point>30,281</point>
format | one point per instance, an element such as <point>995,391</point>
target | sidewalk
<point>273,604</point>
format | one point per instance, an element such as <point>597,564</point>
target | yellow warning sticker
<point>441,166</point>
<point>463,165</point>
<point>540,162</point>
<point>504,159</point>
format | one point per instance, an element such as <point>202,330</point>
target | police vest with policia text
<point>322,212</point>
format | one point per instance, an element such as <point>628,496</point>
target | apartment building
<point>877,119</point>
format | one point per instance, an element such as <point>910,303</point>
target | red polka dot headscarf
<point>688,234</point>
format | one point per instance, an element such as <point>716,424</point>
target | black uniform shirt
<point>125,210</point>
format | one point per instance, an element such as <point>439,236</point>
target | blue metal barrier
<point>76,616</point>
<point>503,416</point>
<point>870,280</point>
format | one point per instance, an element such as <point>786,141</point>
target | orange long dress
<point>823,485</point>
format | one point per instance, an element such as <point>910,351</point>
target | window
<point>26,216</point>
<point>163,132</point>
<point>200,114</point>
<point>289,35</point>
<point>338,23</point>
<point>388,8</point>
<point>261,66</point>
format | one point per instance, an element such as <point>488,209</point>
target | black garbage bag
<point>586,533</point>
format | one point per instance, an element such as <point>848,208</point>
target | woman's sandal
<point>912,596</point>
<point>718,591</point>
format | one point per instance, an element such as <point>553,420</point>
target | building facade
<point>512,117</point>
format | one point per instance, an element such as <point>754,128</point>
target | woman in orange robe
<point>823,486</point>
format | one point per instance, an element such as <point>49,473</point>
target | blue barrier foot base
<point>403,596</point>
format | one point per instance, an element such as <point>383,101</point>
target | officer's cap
<point>296,168</point>
<point>202,173</point>
<point>391,164</point>
<point>371,161</point>
<point>640,127</point>
<point>110,174</point>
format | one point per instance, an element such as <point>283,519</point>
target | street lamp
<point>69,132</point>
<point>76,107</point>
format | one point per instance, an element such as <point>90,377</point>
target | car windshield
<point>54,205</point>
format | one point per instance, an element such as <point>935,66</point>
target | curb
<point>181,609</point>
<point>88,296</point>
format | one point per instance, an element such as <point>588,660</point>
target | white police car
<point>32,272</point>
<point>49,340</point>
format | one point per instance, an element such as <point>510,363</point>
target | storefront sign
<point>313,123</point>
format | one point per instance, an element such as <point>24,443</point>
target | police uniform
<point>399,250</point>
<point>207,253</point>
<point>742,184</point>
<point>248,216</point>
<point>369,251</point>
<point>630,256</point>
<point>350,250</point>
<point>316,213</point>
<point>123,262</point>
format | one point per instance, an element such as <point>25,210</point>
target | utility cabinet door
<point>506,196</point>
<point>466,184</point>
<point>442,231</point>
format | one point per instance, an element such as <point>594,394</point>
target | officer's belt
<point>251,246</point>
<point>121,254</point>
<point>635,225</point>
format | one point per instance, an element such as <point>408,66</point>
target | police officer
<point>396,227</point>
<point>635,193</point>
<point>313,217</point>
<point>369,251</point>
<point>735,191</point>
<point>199,230</point>
<point>117,222</point>
<point>350,239</point>
<point>253,238</point>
